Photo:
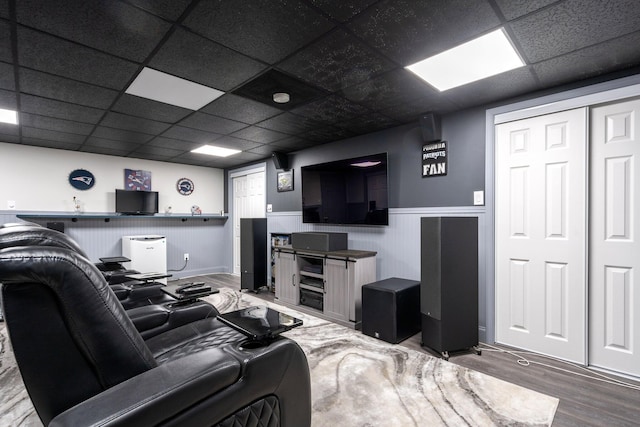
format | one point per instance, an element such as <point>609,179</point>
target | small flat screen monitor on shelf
<point>136,202</point>
<point>347,192</point>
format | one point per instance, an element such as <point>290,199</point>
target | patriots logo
<point>84,179</point>
<point>81,179</point>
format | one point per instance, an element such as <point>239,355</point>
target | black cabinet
<point>449,283</point>
<point>253,253</point>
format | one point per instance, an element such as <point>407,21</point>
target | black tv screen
<point>136,202</point>
<point>348,192</point>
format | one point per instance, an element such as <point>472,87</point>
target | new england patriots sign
<point>434,159</point>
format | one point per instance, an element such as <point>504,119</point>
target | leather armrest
<point>121,291</point>
<point>139,291</point>
<point>148,316</point>
<point>118,276</point>
<point>151,320</point>
<point>134,290</point>
<point>158,394</point>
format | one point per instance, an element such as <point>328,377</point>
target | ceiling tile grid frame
<point>66,65</point>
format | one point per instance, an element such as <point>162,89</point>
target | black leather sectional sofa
<point>85,363</point>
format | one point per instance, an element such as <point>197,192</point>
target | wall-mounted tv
<point>136,202</point>
<point>348,192</point>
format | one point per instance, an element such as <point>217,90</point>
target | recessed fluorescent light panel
<point>477,59</point>
<point>163,87</point>
<point>365,164</point>
<point>212,150</point>
<point>8,116</point>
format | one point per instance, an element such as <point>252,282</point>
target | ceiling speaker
<point>280,160</point>
<point>430,125</point>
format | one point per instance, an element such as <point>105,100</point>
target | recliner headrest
<point>35,235</point>
<point>93,314</point>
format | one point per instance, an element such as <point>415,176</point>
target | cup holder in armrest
<point>251,344</point>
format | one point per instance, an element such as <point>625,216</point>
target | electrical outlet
<point>11,204</point>
<point>186,257</point>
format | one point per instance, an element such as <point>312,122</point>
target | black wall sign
<point>434,159</point>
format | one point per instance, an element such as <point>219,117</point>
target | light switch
<point>478,198</point>
<point>269,207</point>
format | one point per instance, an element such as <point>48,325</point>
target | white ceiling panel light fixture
<point>367,164</point>
<point>8,116</point>
<point>212,150</point>
<point>281,97</point>
<point>163,87</point>
<point>474,60</point>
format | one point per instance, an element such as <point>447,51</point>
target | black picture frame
<point>285,180</point>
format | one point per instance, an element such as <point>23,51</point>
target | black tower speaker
<point>280,160</point>
<point>449,283</point>
<point>253,253</point>
<point>430,125</point>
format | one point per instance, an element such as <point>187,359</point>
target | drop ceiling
<point>65,66</point>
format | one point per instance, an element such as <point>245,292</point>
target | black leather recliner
<point>84,363</point>
<point>132,293</point>
<point>115,272</point>
<point>151,310</point>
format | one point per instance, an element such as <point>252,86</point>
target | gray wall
<point>203,241</point>
<point>410,196</point>
<point>464,131</point>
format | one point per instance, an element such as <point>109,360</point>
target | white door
<point>541,234</point>
<point>249,201</point>
<point>614,291</point>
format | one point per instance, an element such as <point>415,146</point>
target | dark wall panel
<point>465,133</point>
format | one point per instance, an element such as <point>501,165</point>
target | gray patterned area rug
<point>358,381</point>
<point>15,406</point>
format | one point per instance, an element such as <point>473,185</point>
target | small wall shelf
<point>74,217</point>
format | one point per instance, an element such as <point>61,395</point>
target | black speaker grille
<point>430,126</point>
<point>280,160</point>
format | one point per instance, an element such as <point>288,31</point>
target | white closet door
<point>541,234</point>
<point>614,299</point>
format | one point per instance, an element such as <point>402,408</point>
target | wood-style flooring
<point>584,401</point>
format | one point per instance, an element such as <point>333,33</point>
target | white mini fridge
<point>148,254</point>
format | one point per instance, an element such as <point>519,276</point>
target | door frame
<point>614,90</point>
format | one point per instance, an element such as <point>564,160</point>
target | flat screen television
<point>347,192</point>
<point>136,202</point>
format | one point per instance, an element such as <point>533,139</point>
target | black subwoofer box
<point>319,241</point>
<point>391,309</point>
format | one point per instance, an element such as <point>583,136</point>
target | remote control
<point>198,290</point>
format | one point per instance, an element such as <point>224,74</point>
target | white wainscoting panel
<point>203,241</point>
